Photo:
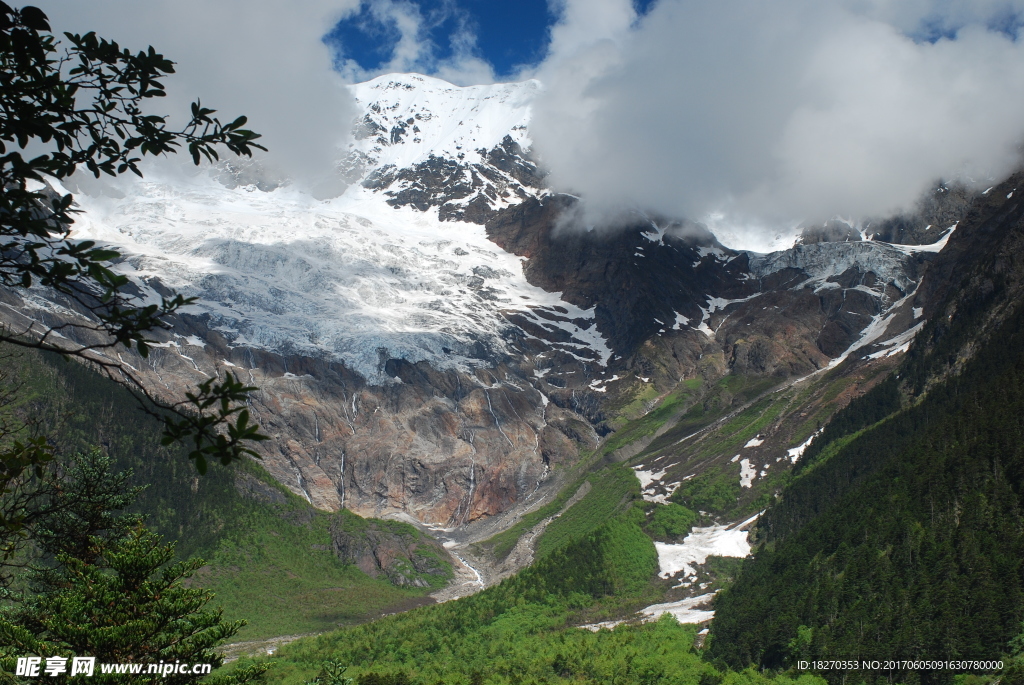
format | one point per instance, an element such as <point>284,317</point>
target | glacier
<point>351,278</point>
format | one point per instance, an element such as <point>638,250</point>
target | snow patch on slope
<point>747,473</point>
<point>897,344</point>
<point>689,610</point>
<point>701,543</point>
<point>685,610</point>
<point>795,453</point>
<point>646,478</point>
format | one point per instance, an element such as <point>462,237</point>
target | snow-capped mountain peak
<point>408,118</point>
<point>427,144</point>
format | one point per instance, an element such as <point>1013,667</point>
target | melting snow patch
<point>874,330</point>
<point>594,627</point>
<point>714,251</point>
<point>657,235</point>
<point>661,498</point>
<point>747,473</point>
<point>796,452</point>
<point>647,477</point>
<point>900,343</point>
<point>934,247</point>
<point>714,304</point>
<point>684,611</point>
<point>896,350</point>
<point>598,385</point>
<point>701,543</point>
<point>754,442</point>
<point>829,285</point>
<point>918,312</point>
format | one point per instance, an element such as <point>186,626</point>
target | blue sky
<point>507,34</point>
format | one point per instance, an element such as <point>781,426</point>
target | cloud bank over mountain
<point>753,116</point>
<point>773,113</point>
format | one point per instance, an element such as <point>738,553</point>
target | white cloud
<point>582,25</point>
<point>262,59</point>
<point>917,17</point>
<point>772,113</point>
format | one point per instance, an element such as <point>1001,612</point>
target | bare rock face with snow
<point>433,145</point>
<point>433,342</point>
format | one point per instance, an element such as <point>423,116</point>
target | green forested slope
<point>902,534</point>
<point>523,630</point>
<point>269,552</point>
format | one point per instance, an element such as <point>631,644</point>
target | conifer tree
<point>109,588</point>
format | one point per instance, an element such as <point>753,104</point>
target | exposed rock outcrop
<point>395,550</point>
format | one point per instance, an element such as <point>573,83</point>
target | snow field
<point>701,543</point>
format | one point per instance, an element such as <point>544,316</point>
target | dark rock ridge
<point>832,231</point>
<point>976,280</point>
<point>943,206</point>
<point>460,191</point>
<point>644,280</point>
<point>636,284</point>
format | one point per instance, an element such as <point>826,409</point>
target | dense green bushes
<point>670,521</point>
<point>866,410</point>
<point>612,491</point>
<point>496,632</point>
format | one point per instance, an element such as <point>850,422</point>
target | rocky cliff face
<point>438,341</point>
